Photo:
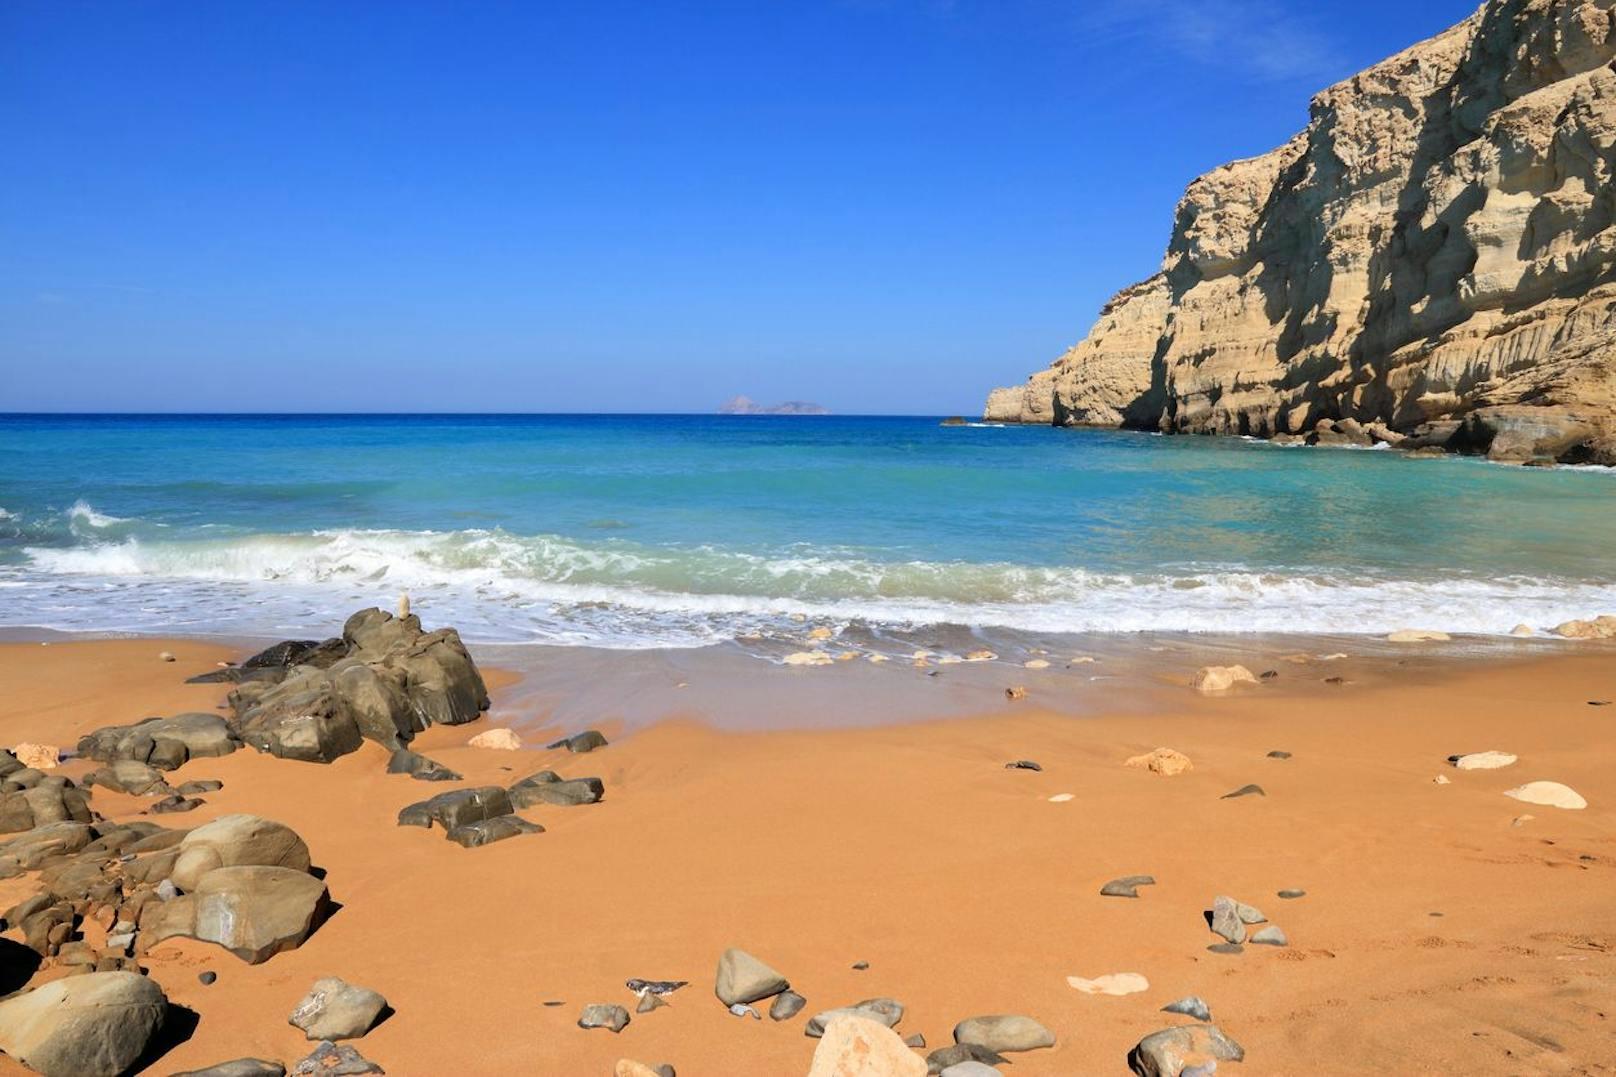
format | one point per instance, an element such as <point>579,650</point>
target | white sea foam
<point>502,587</point>
<point>83,515</point>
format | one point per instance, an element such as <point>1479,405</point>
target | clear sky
<point>880,205</point>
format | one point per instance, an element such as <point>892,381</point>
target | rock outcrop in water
<point>1434,253</point>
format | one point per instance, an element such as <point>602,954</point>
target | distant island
<point>745,405</point>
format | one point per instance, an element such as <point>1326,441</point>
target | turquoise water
<point>641,531</point>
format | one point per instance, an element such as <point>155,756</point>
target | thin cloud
<point>1266,41</point>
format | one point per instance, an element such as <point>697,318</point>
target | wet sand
<point>1436,935</point>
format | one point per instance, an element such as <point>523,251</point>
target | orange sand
<point>966,890</point>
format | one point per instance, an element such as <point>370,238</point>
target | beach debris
<point>1277,754</point>
<point>1112,983</point>
<point>1164,761</point>
<point>1221,678</point>
<point>548,787</point>
<point>741,1009</point>
<point>334,1059</point>
<point>419,767</point>
<point>579,743</point>
<point>743,978</point>
<point>1522,630</point>
<point>1603,627</point>
<point>1292,895</point>
<point>1127,886</point>
<point>1173,1051</point>
<point>1190,1006</point>
<point>786,1005</point>
<point>604,1015</point>
<point>1060,798</point>
<point>808,658</point>
<point>1490,760</point>
<point>1022,764</point>
<point>337,1010</point>
<point>94,1023</point>
<point>1417,635</point>
<point>1271,935</point>
<point>1245,791</point>
<point>1016,691</point>
<point>1004,1032</point>
<point>961,1053</point>
<point>1548,794</point>
<point>855,1044</point>
<point>504,740</point>
<point>888,1011</point>
<point>38,756</point>
<point>654,987</point>
<point>1036,663</point>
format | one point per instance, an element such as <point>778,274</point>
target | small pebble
<point>207,977</point>
<point>1599,703</point>
<point>1022,764</point>
<point>1270,936</point>
<point>1335,680</point>
<point>1060,798</point>
<point>1190,1006</point>
<point>1127,886</point>
<point>1269,674</point>
<point>1226,948</point>
<point>1015,691</point>
<point>740,1009</point>
<point>554,1002</point>
<point>1289,894</point>
<point>1277,754</point>
<point>860,966</point>
<point>1244,791</point>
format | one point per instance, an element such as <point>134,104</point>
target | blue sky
<point>882,205</point>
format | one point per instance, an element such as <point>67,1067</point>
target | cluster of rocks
<point>385,679</point>
<point>31,798</point>
<point>485,814</point>
<point>108,892</point>
<point>135,757</point>
<point>1229,918</point>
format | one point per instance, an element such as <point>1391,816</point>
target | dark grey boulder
<point>1127,886</point>
<point>334,1060</point>
<point>419,767</point>
<point>1171,1051</point>
<point>1190,1006</point>
<point>164,743</point>
<point>546,787</point>
<point>601,1015</point>
<point>457,808</point>
<point>956,1053</point>
<point>786,1005</point>
<point>129,776</point>
<point>587,741</point>
<point>488,831</point>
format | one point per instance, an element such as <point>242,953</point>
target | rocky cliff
<point>1432,261</point>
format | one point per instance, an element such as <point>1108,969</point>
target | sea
<point>635,532</point>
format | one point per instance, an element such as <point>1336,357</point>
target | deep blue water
<point>657,530</point>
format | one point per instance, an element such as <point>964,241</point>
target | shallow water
<point>677,531</point>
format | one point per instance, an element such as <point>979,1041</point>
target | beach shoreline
<point>1444,924</point>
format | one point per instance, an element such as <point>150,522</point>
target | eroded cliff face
<point>1435,254</point>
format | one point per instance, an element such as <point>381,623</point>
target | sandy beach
<point>1445,926</point>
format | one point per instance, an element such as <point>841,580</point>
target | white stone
<point>1484,761</point>
<point>1549,794</point>
<point>859,1047</point>
<point>501,739</point>
<point>1114,983</point>
<point>808,658</point>
<point>1060,798</point>
<point>1036,663</point>
<point>1221,678</point>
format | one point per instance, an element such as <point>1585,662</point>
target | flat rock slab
<point>959,1053</point>
<point>548,787</point>
<point>1113,983</point>
<point>488,831</point>
<point>1549,794</point>
<point>1492,760</point>
<point>1271,935</point>
<point>334,1060</point>
<point>1190,1006</point>
<point>239,1067</point>
<point>457,808</point>
<point>601,1015</point>
<point>1127,886</point>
